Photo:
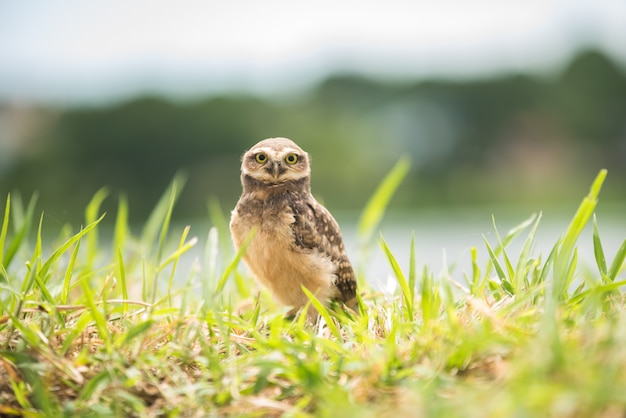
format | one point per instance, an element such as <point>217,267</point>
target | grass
<point>113,330</point>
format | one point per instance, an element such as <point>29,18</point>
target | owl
<point>295,241</point>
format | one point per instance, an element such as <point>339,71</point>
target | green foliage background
<point>511,139</point>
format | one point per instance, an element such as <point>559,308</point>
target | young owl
<point>296,241</point>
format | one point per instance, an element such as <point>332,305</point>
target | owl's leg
<point>312,316</point>
<point>291,314</point>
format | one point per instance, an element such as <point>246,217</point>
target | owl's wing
<point>315,229</point>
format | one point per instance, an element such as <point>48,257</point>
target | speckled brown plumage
<point>296,241</point>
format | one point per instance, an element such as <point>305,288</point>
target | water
<point>444,237</point>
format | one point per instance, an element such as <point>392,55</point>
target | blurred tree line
<point>510,139</point>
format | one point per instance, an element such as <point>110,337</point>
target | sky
<point>74,51</point>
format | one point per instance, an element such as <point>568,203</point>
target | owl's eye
<point>291,159</point>
<point>261,158</point>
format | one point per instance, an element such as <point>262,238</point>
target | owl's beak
<point>277,169</point>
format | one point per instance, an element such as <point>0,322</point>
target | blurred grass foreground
<point>93,330</point>
<point>510,139</point>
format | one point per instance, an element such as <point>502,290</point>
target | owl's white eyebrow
<point>260,150</point>
<point>270,151</point>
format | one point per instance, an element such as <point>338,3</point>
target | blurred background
<point>512,104</point>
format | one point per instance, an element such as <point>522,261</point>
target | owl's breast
<point>272,256</point>
<point>270,220</point>
<point>269,223</point>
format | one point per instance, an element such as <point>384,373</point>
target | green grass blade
<point>174,257</point>
<point>31,334</point>
<point>38,398</point>
<point>494,261</point>
<point>121,271</point>
<point>376,206</point>
<point>46,295</point>
<point>133,332</point>
<point>561,280</point>
<point>144,278</point>
<point>412,267</point>
<point>476,285</point>
<point>431,298</point>
<point>600,289</point>
<point>159,213</point>
<point>23,221</point>
<point>233,264</point>
<point>502,247</point>
<point>406,291</point>
<point>256,312</point>
<point>513,232</point>
<point>91,215</point>
<point>323,312</point>
<point>120,231</point>
<point>165,226</point>
<point>66,246</point>
<point>211,261</point>
<point>98,317</point>
<point>219,221</point>
<point>162,237</point>
<point>549,264</point>
<point>618,261</point>
<point>362,308</point>
<point>5,227</point>
<point>448,300</point>
<point>518,278</point>
<point>33,267</point>
<point>67,280</point>
<point>571,270</point>
<point>95,384</point>
<point>598,251</point>
<point>182,248</point>
<point>77,329</point>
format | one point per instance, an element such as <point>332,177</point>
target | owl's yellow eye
<point>291,159</point>
<point>261,158</point>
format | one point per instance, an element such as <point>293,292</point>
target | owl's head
<point>274,162</point>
